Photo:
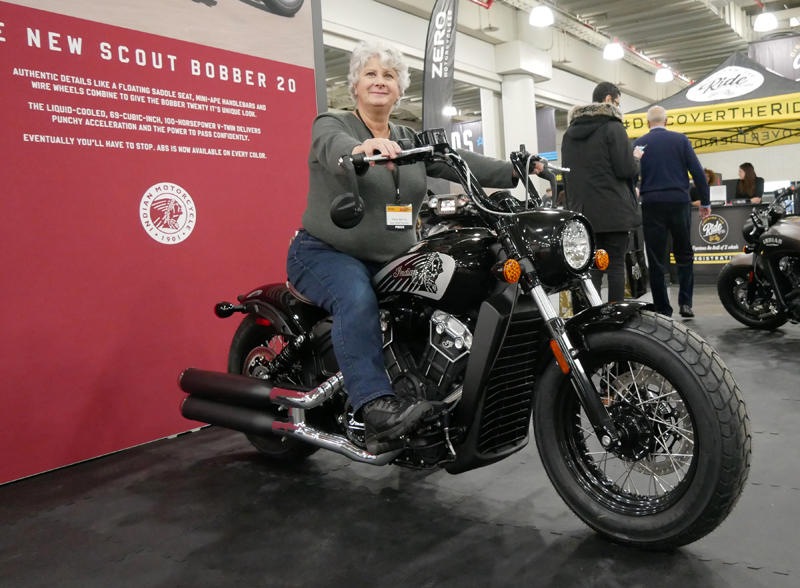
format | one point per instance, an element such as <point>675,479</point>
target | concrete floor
<point>204,510</point>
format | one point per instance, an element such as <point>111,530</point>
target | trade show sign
<point>144,179</point>
<point>739,105</point>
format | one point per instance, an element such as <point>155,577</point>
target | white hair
<point>390,58</point>
<point>657,114</point>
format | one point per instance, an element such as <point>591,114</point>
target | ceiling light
<point>613,51</point>
<point>664,75</point>
<point>449,111</point>
<point>765,21</point>
<point>794,22</point>
<point>541,16</point>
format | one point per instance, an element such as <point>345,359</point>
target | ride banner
<point>145,178</point>
<point>760,122</point>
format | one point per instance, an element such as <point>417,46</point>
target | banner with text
<point>145,178</point>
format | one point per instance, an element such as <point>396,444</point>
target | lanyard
<point>395,171</point>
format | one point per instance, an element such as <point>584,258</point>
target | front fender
<point>607,316</point>
<point>745,259</point>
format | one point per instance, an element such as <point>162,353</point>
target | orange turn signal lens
<point>562,361</point>
<point>512,271</point>
<point>601,259</point>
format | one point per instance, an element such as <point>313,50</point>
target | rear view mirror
<point>347,210</point>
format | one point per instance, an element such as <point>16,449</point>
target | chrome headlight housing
<point>576,245</point>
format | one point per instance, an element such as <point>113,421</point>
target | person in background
<point>601,183</point>
<point>749,187</point>
<point>666,207</point>
<point>562,199</point>
<point>712,181</point>
<point>547,199</point>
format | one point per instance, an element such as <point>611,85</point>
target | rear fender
<point>275,303</point>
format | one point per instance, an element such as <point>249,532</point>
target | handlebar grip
<point>359,164</point>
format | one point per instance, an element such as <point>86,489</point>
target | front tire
<point>251,346</point>
<point>764,313</point>
<point>688,451</point>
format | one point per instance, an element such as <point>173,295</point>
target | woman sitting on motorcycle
<point>333,267</point>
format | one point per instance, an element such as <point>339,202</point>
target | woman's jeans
<point>341,285</point>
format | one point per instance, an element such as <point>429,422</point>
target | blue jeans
<point>660,219</point>
<point>341,285</point>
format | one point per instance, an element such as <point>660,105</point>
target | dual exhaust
<point>248,405</point>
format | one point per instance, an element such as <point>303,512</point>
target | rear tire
<point>284,7</point>
<point>732,288</point>
<point>251,343</point>
<point>691,456</point>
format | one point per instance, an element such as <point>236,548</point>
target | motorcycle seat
<point>297,294</point>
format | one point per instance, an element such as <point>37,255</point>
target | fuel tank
<point>782,238</point>
<point>451,270</point>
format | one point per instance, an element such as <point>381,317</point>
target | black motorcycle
<point>761,288</point>
<point>640,426</point>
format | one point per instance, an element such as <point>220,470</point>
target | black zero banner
<point>440,49</point>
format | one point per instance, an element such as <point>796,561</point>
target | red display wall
<point>143,179</point>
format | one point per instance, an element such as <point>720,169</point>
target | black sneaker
<point>686,311</point>
<point>387,418</point>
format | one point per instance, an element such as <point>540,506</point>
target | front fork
<point>604,427</point>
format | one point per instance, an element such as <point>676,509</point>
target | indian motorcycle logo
<point>167,213</point>
<point>713,229</point>
<point>426,274</point>
<point>731,82</point>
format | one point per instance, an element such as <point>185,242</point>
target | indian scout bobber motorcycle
<point>640,426</point>
<point>761,288</point>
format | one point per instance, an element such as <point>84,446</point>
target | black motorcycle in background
<point>639,424</point>
<point>761,288</point>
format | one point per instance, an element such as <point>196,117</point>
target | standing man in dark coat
<point>600,184</point>
<point>667,206</point>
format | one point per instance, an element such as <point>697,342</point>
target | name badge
<point>399,217</point>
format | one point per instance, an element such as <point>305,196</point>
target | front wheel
<point>686,450</point>
<point>764,313</point>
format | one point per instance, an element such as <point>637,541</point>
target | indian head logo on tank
<point>713,229</point>
<point>425,274</point>
<point>167,213</point>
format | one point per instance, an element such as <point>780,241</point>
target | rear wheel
<point>765,312</point>
<point>686,450</point>
<point>284,7</point>
<point>252,348</point>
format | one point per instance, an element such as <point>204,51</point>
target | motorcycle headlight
<point>576,245</point>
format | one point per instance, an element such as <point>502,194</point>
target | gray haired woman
<point>333,267</point>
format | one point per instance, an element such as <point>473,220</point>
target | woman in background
<point>749,186</point>
<point>712,181</point>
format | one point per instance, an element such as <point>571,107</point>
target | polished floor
<point>204,510</point>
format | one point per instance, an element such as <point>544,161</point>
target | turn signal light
<point>601,259</point>
<point>507,271</point>
<point>562,361</point>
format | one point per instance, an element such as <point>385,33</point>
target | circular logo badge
<point>167,213</point>
<point>727,83</point>
<point>713,229</point>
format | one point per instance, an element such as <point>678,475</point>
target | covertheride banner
<point>154,163</point>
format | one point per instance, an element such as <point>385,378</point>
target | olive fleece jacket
<point>335,135</point>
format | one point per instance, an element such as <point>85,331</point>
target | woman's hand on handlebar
<point>385,147</point>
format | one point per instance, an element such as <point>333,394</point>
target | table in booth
<point>718,238</point>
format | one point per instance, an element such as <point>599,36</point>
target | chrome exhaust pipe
<point>255,422</point>
<point>239,390</point>
<point>335,443</point>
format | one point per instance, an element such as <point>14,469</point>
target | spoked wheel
<point>686,437</point>
<point>764,313</point>
<point>253,347</point>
